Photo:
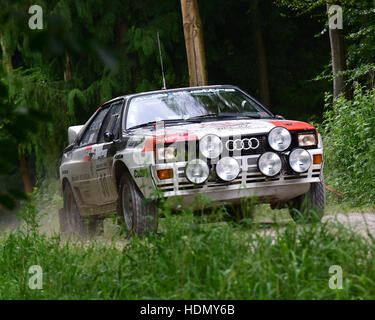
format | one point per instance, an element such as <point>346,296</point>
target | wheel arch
<point>119,167</point>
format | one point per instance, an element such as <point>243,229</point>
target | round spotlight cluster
<point>197,171</point>
<point>228,169</point>
<point>300,160</point>
<point>279,139</point>
<point>211,146</point>
<point>269,164</point>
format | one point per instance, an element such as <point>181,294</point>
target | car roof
<point>128,96</point>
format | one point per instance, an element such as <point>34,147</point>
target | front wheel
<point>310,206</point>
<point>138,214</point>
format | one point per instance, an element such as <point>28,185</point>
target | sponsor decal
<point>231,125</point>
<point>166,139</point>
<point>293,125</point>
<point>87,158</point>
<point>134,142</point>
<point>101,151</point>
<point>89,154</point>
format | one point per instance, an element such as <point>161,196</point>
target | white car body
<point>93,170</point>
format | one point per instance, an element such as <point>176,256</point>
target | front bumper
<point>250,182</point>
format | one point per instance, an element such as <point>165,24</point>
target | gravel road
<point>361,223</point>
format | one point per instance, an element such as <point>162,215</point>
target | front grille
<point>249,177</point>
<point>245,145</point>
<point>192,151</point>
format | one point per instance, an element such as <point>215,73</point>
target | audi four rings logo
<point>244,144</point>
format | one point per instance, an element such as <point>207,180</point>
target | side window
<point>111,121</point>
<point>91,134</point>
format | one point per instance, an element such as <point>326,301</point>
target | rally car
<point>179,143</point>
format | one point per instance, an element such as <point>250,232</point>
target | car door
<point>104,152</point>
<point>83,175</point>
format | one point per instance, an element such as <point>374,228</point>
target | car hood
<point>225,128</point>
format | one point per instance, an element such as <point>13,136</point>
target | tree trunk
<point>25,172</point>
<point>194,41</point>
<point>7,63</point>
<point>261,54</point>
<point>67,69</point>
<point>336,37</point>
<point>6,57</point>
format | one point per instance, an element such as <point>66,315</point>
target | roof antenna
<point>161,63</point>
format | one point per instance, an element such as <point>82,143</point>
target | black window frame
<point>93,117</point>
<point>120,119</point>
<point>102,108</point>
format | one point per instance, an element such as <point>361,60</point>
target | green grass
<point>192,258</point>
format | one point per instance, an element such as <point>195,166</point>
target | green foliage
<point>359,25</point>
<point>304,6</point>
<point>110,54</point>
<point>190,259</point>
<point>349,145</point>
<point>18,124</point>
<point>76,101</point>
<point>45,112</point>
<point>360,21</point>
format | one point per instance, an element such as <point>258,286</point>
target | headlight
<point>210,146</point>
<point>197,171</point>
<point>306,140</point>
<point>279,139</point>
<point>167,153</point>
<point>269,164</point>
<point>300,160</point>
<point>228,169</point>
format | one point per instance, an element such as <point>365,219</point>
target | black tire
<point>310,206</point>
<point>71,221</point>
<point>136,213</point>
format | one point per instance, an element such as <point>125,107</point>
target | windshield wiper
<point>241,115</point>
<point>199,118</point>
<point>203,116</point>
<point>224,115</point>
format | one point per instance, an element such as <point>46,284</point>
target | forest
<point>278,51</point>
<point>285,53</point>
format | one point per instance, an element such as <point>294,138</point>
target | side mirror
<point>108,136</point>
<point>73,133</point>
<point>279,117</point>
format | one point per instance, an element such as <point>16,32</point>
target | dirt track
<point>362,223</point>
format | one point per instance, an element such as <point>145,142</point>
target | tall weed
<point>349,145</point>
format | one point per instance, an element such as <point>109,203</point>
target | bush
<point>349,142</point>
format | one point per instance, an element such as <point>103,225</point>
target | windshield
<point>191,103</point>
